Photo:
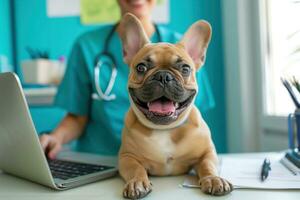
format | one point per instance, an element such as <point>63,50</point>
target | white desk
<point>12,188</point>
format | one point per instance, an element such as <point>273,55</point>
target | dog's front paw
<point>137,188</point>
<point>215,185</point>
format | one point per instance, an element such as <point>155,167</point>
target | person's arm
<point>70,128</point>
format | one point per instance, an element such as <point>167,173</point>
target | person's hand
<point>51,145</point>
<point>70,128</point>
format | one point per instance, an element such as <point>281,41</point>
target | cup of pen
<point>294,130</point>
<point>293,154</point>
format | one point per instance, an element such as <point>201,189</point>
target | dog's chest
<point>163,148</point>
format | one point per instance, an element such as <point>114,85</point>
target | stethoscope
<point>105,57</point>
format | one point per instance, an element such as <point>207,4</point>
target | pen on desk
<point>266,167</point>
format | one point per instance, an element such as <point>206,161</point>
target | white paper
<point>63,8</point>
<point>245,173</point>
<point>67,8</point>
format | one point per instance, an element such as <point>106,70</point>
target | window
<point>283,53</point>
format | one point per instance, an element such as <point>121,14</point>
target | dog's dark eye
<point>185,70</point>
<point>141,68</point>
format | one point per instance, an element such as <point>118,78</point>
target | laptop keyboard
<point>67,169</point>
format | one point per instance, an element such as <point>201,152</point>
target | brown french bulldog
<point>164,133</point>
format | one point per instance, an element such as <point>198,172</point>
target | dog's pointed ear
<point>132,35</point>
<point>195,41</point>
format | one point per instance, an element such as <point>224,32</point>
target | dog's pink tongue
<point>162,107</point>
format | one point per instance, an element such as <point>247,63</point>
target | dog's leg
<point>208,176</point>
<point>136,178</point>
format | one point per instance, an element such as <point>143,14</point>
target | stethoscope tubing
<point>106,95</point>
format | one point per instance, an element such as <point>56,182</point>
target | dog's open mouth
<point>162,106</point>
<point>162,110</point>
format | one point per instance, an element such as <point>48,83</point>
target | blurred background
<point>254,43</point>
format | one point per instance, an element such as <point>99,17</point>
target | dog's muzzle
<point>162,98</point>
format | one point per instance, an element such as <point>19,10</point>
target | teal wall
<point>36,30</point>
<point>5,31</point>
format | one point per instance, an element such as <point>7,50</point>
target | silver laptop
<point>21,153</point>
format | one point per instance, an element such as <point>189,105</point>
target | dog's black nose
<point>163,77</point>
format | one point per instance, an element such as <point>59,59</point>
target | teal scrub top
<point>102,134</point>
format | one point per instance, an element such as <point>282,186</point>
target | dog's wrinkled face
<point>162,82</point>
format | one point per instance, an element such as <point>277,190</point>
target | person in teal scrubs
<point>98,123</point>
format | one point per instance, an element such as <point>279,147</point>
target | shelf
<point>40,96</point>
